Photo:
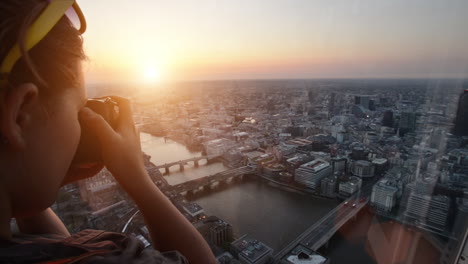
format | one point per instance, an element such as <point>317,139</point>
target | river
<point>255,207</point>
<point>264,211</point>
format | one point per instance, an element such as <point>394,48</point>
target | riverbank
<point>292,187</point>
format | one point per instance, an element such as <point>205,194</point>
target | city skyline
<point>161,41</point>
<point>341,171</point>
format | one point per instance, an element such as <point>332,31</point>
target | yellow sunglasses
<point>55,10</point>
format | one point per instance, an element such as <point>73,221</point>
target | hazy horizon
<point>461,79</point>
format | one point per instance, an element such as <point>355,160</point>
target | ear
<point>17,110</point>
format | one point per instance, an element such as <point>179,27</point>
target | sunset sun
<point>152,74</point>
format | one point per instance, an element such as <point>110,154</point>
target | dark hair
<point>52,63</point>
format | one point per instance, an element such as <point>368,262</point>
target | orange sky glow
<point>128,41</point>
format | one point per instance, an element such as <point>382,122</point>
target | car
<point>363,199</point>
<point>354,205</point>
<point>346,203</point>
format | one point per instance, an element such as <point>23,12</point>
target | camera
<point>89,147</point>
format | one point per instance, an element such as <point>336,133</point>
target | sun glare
<point>152,74</point>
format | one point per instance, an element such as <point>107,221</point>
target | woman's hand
<point>120,148</point>
<point>121,152</point>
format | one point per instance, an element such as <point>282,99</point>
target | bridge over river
<point>184,162</point>
<point>320,232</point>
<point>212,179</point>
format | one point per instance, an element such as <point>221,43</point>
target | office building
<point>215,230</point>
<point>293,163</point>
<point>311,173</point>
<point>461,120</point>
<point>380,166</point>
<point>387,119</point>
<point>220,232</point>
<point>218,146</point>
<point>407,122</point>
<point>339,164</point>
<point>384,195</point>
<point>359,152</point>
<point>428,212</point>
<point>363,100</point>
<point>362,169</point>
<point>349,187</point>
<point>328,187</point>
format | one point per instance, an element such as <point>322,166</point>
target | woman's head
<point>39,107</point>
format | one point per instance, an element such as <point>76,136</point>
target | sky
<point>156,41</point>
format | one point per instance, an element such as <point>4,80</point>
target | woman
<point>42,99</point>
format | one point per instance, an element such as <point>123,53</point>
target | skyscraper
<point>461,120</point>
<point>311,95</point>
<point>331,103</point>
<point>363,100</point>
<point>407,122</point>
<point>387,119</point>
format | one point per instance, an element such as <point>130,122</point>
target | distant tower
<point>311,95</point>
<point>407,122</point>
<point>363,100</point>
<point>387,119</point>
<point>461,121</point>
<point>331,103</point>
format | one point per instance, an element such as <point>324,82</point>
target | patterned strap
<point>77,259</point>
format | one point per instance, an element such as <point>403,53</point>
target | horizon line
<point>278,79</point>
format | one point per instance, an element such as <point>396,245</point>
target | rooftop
<point>316,165</point>
<point>250,248</point>
<point>193,209</point>
<point>253,154</point>
<point>387,184</point>
<point>298,159</point>
<point>354,180</point>
<point>304,255</point>
<point>299,142</point>
<point>379,161</point>
<point>363,163</point>
<point>275,166</point>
